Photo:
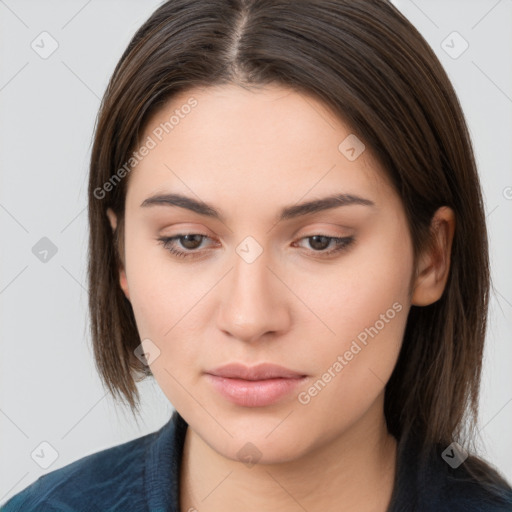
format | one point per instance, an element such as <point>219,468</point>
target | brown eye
<point>319,244</point>
<point>189,242</point>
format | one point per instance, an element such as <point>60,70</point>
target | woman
<point>287,232</point>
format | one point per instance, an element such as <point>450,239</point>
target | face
<point>323,292</point>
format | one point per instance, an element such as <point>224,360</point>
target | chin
<point>259,444</point>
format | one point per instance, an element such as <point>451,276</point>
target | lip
<point>260,371</point>
<point>254,386</point>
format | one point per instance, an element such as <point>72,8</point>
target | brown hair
<point>366,62</point>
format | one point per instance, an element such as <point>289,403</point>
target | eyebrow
<point>288,212</point>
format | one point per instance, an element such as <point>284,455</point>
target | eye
<point>187,245</point>
<point>321,242</point>
<point>189,241</point>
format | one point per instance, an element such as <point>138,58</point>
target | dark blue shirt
<point>142,475</point>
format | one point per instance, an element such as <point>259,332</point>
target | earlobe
<point>112,217</point>
<point>434,264</point>
<point>123,281</point>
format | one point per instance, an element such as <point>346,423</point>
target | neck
<point>354,471</point>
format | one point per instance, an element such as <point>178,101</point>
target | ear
<point>112,217</point>
<point>434,263</point>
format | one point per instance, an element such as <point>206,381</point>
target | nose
<point>254,302</point>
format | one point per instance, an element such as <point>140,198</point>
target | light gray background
<point>50,391</point>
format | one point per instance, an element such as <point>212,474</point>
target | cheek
<point>162,299</point>
<point>365,302</point>
<point>152,291</point>
<point>359,287</point>
<point>168,300</point>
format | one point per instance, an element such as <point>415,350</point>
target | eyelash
<point>342,243</point>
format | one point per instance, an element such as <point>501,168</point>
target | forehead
<point>269,143</point>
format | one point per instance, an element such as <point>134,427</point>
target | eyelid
<point>320,227</point>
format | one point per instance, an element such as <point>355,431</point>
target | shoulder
<point>108,478</point>
<point>433,482</point>
<point>474,487</point>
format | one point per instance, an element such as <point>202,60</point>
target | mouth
<point>255,386</point>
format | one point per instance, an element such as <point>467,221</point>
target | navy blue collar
<point>162,468</point>
<point>425,484</point>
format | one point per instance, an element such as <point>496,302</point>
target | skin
<point>290,306</point>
